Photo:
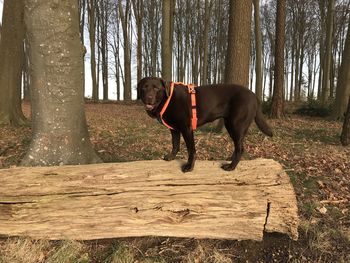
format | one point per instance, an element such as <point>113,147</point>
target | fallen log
<point>148,198</point>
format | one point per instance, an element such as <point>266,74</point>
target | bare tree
<point>328,55</point>
<point>124,15</point>
<point>343,85</point>
<point>166,40</point>
<point>277,99</point>
<point>138,13</point>
<point>258,45</point>
<point>92,6</point>
<point>11,57</point>
<point>60,134</point>
<point>104,12</point>
<point>238,50</point>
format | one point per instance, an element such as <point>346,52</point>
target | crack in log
<point>16,202</point>
<point>267,214</point>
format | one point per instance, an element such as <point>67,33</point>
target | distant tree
<point>11,57</point>
<point>82,13</point>
<point>104,13</point>
<point>277,98</point>
<point>92,7</point>
<point>114,44</point>
<point>258,45</point>
<point>60,134</point>
<point>345,135</point>
<point>151,37</point>
<point>124,15</point>
<point>138,13</point>
<point>328,54</point>
<point>167,40</point>
<point>343,84</point>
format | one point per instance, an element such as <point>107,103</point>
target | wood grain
<point>147,198</point>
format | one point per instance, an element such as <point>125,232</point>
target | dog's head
<point>151,91</point>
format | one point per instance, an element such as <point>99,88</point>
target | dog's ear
<point>166,85</point>
<point>139,87</point>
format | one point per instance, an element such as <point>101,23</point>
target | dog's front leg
<point>175,138</point>
<point>189,140</point>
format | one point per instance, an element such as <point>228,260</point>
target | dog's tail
<point>261,122</point>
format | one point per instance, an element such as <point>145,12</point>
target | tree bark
<point>343,84</point>
<point>60,134</point>
<point>166,41</point>
<point>238,50</point>
<point>277,110</point>
<point>11,57</point>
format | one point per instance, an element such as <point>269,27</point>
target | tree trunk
<point>258,44</point>
<point>207,15</point>
<point>124,16</point>
<point>11,57</point>
<point>328,54</point>
<point>296,72</point>
<point>82,11</point>
<point>138,11</point>
<point>92,33</point>
<point>103,25</point>
<point>238,50</point>
<point>60,134</point>
<point>345,134</point>
<point>277,110</point>
<point>148,198</point>
<point>166,40</point>
<point>343,84</point>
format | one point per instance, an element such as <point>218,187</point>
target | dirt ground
<point>308,148</point>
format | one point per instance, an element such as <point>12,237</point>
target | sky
<point>1,2</point>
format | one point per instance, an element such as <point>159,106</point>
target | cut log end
<point>148,198</point>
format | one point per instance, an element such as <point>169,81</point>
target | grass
<point>307,147</point>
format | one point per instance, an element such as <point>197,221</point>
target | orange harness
<point>192,92</point>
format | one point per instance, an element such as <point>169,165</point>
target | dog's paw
<point>187,168</point>
<point>169,157</point>
<point>227,167</point>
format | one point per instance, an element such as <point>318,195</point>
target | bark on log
<point>148,198</point>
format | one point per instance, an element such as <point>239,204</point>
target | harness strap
<point>192,92</point>
<point>166,106</point>
<point>194,119</point>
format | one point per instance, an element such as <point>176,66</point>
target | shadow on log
<point>147,198</point>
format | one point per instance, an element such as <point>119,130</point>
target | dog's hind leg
<point>175,138</point>
<point>237,133</point>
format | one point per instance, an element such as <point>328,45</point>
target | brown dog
<point>237,105</point>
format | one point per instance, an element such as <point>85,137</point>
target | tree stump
<point>148,198</point>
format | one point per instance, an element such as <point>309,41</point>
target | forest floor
<point>308,148</point>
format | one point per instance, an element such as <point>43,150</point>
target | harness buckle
<point>191,89</point>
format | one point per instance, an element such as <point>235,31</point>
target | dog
<point>237,105</point>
